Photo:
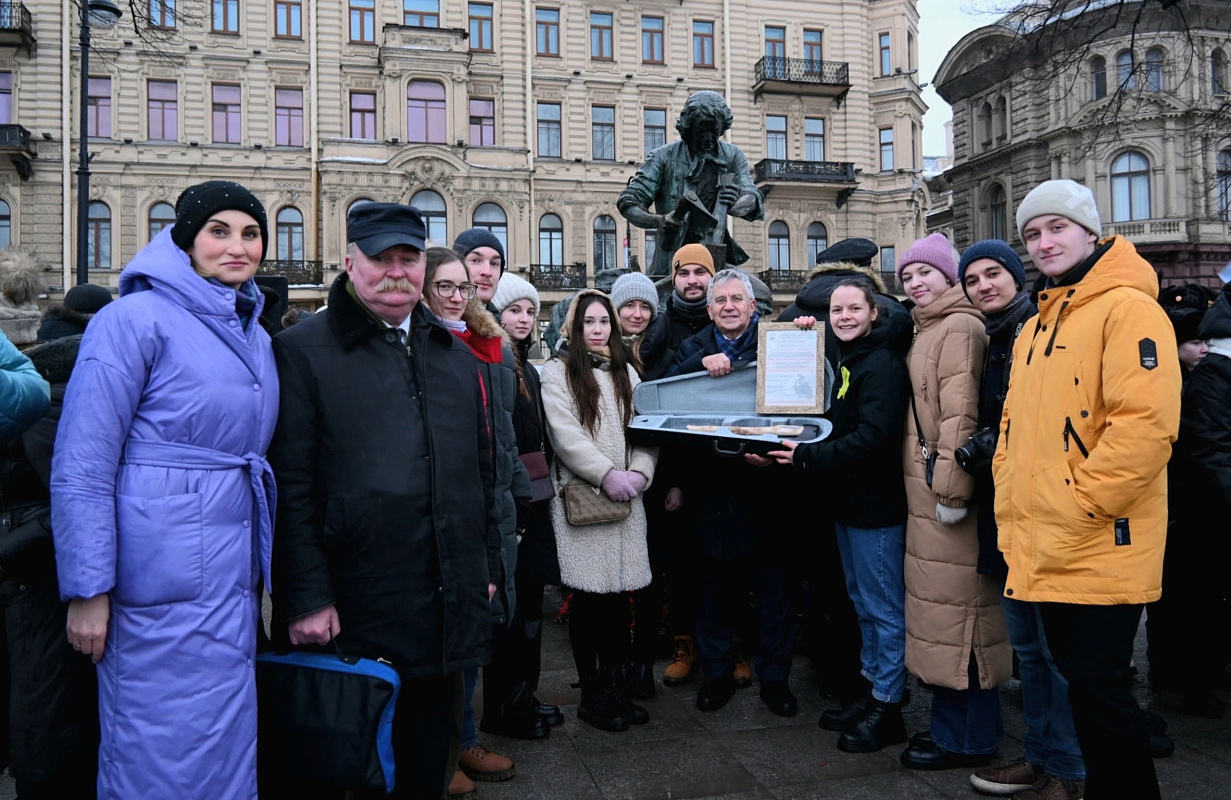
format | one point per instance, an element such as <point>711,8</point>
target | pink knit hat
<point>935,251</point>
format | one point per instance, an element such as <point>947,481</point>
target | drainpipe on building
<point>66,117</point>
<point>531,144</point>
<point>313,82</point>
<point>726,57</point>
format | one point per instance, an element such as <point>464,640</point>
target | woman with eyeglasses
<point>450,295</point>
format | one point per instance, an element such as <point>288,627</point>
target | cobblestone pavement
<point>743,752</point>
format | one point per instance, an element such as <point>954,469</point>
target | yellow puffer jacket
<point>1092,410</point>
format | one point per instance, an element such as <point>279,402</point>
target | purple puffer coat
<point>161,495</point>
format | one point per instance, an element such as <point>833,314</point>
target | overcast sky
<point>941,24</point>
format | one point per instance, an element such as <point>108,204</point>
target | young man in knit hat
<point>685,312</point>
<point>1080,470</point>
<point>483,253</point>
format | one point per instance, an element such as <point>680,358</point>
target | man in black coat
<point>386,538</point>
<point>686,311</point>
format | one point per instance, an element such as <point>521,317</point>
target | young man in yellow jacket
<point>1080,470</point>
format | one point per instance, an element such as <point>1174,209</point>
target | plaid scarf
<point>732,348</point>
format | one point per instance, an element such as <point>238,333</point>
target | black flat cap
<point>859,252</point>
<point>375,227</point>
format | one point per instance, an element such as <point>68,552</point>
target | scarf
<point>1016,312</point>
<point>731,348</point>
<point>690,309</point>
<point>455,325</point>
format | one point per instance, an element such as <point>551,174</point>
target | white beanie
<point>513,288</point>
<point>1063,197</point>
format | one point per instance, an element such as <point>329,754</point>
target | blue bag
<point>328,718</point>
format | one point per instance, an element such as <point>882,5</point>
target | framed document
<point>790,369</point>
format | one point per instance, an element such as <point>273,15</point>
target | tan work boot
<point>462,788</point>
<point>680,668</point>
<point>742,673</point>
<point>483,765</point>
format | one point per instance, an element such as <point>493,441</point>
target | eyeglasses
<point>445,289</point>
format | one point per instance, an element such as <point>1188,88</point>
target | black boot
<point>600,705</point>
<point>881,725</point>
<point>517,716</point>
<point>836,719</point>
<point>640,679</point>
<point>552,715</point>
<point>630,711</point>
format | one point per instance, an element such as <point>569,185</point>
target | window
<point>481,26</point>
<point>289,234</point>
<point>985,123</point>
<point>775,137</point>
<point>604,244</point>
<point>162,13</point>
<point>775,53</point>
<point>1218,73</point>
<point>1098,77</point>
<point>602,125</point>
<point>425,112</point>
<point>547,31</point>
<point>358,202</point>
<point>551,240</point>
<point>889,262</point>
<point>814,139</point>
<point>98,107</point>
<point>363,21</point>
<point>482,123</point>
<point>432,208</point>
<point>1130,187</point>
<point>652,40</point>
<point>363,115</point>
<point>812,51</point>
<point>914,145</point>
<point>818,240</point>
<point>1125,77</point>
<point>98,236</point>
<point>998,220</point>
<point>162,215</point>
<point>886,138</point>
<point>163,116</point>
<point>6,98</point>
<point>702,43</point>
<point>6,224</point>
<point>1000,118</point>
<point>288,117</point>
<point>421,13</point>
<point>288,19</point>
<point>655,124</point>
<point>779,246</point>
<point>1224,185</point>
<point>651,248</point>
<point>548,115</point>
<point>886,56</point>
<point>227,122</point>
<point>910,50</point>
<point>491,216</point>
<point>225,17</point>
<point>1154,69</point>
<point>601,30</point>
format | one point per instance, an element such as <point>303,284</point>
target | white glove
<point>947,515</point>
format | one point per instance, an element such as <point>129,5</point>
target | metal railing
<point>803,70</point>
<point>784,281</point>
<point>777,169</point>
<point>15,17</point>
<point>297,273</point>
<point>561,277</point>
<point>13,136</point>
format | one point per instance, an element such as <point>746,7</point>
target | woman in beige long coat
<point>955,633</point>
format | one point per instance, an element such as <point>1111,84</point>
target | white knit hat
<point>1063,197</point>
<point>513,288</point>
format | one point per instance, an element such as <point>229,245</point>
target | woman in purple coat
<point>161,501</point>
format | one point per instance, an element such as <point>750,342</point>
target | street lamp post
<point>94,14</point>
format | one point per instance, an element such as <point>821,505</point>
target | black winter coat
<point>666,333</point>
<point>536,555</point>
<point>1201,458</point>
<point>385,504</point>
<point>861,460</point>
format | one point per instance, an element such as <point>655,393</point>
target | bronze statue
<point>694,183</point>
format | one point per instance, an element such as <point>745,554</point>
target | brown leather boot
<point>680,668</point>
<point>742,672</point>
<point>462,788</point>
<point>483,765</point>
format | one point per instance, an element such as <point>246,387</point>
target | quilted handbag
<point>586,504</point>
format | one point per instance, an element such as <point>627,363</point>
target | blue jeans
<point>872,559</point>
<point>967,721</point>
<point>470,734</point>
<point>1051,736</point>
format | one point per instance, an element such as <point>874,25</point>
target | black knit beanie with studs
<point>198,203</point>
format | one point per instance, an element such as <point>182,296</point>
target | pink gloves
<point>620,485</point>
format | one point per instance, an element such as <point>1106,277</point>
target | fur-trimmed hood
<point>55,360</point>
<point>21,279</point>
<point>481,322</point>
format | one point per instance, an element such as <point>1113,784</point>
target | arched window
<point>604,244</point>
<point>491,216</point>
<point>1125,76</point>
<point>98,236</point>
<point>6,224</point>
<point>818,240</point>
<point>162,215</point>
<point>1154,69</point>
<point>997,218</point>
<point>1001,117</point>
<point>779,245</point>
<point>356,203</point>
<point>289,234</point>
<point>1130,187</point>
<point>1218,73</point>
<point>1098,77</point>
<point>551,240</point>
<point>1224,185</point>
<point>435,216</point>
<point>425,112</point>
<point>985,123</point>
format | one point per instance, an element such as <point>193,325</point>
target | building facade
<point>525,117</point>
<point>1141,114</point>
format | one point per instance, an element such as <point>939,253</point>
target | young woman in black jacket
<point>862,458</point>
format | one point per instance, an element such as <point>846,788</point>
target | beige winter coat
<point>595,558</point>
<point>950,608</point>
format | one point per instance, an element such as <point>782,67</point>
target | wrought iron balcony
<point>15,138</point>
<point>784,281</point>
<point>776,169</point>
<point>566,277</point>
<point>16,26</point>
<point>297,273</point>
<point>802,76</point>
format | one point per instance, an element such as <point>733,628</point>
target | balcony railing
<point>784,281</point>
<point>802,76</point>
<point>15,137</point>
<point>297,273</point>
<point>1149,230</point>
<point>777,169</point>
<point>16,25</point>
<point>560,277</point>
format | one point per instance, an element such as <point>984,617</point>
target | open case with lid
<point>716,414</point>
